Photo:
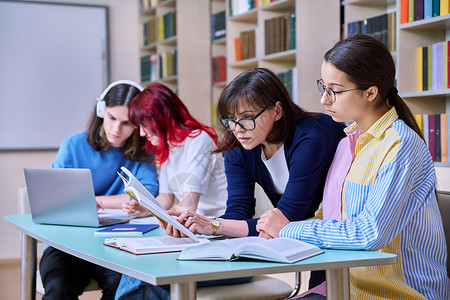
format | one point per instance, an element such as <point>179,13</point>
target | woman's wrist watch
<point>216,224</point>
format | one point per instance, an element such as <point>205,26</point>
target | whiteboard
<point>53,65</point>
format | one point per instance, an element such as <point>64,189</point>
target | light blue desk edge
<point>165,269</point>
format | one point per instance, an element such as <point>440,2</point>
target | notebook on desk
<point>64,197</point>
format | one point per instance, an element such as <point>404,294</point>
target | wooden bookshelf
<point>218,51</point>
<point>190,42</point>
<point>317,28</point>
<point>408,37</point>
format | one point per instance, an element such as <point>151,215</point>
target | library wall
<point>124,64</point>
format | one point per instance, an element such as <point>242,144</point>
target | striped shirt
<point>390,205</point>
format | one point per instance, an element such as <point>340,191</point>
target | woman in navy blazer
<point>271,141</point>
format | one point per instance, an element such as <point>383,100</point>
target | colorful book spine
<point>444,138</point>
<point>428,9</point>
<point>419,121</point>
<point>418,10</point>
<point>425,68</point>
<point>430,69</point>
<point>444,7</point>
<point>411,11</point>
<point>404,9</point>
<point>440,65</point>
<point>432,135</point>
<point>437,138</point>
<point>445,65</point>
<point>436,8</point>
<point>420,69</point>
<point>426,130</point>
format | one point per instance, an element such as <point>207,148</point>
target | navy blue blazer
<point>309,152</point>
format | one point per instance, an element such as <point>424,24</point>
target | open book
<point>284,250</point>
<point>153,244</point>
<point>139,193</point>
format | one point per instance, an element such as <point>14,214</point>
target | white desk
<point>159,269</point>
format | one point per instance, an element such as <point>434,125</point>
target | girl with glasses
<point>272,142</point>
<point>387,180</point>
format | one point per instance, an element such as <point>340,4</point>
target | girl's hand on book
<point>271,222</point>
<point>134,209</point>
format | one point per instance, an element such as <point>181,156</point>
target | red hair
<point>159,110</point>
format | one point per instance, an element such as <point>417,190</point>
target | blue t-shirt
<point>75,152</point>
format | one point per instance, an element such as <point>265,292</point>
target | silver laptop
<point>64,197</point>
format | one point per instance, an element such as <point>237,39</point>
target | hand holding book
<point>139,193</point>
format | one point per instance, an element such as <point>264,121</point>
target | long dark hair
<point>118,95</point>
<point>159,109</point>
<point>259,88</point>
<point>368,62</point>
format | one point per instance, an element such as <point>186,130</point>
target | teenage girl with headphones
<point>109,142</point>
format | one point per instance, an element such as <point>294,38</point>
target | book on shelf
<point>418,10</point>
<point>410,10</point>
<point>404,11</point>
<point>219,69</point>
<point>284,250</point>
<point>444,137</point>
<point>149,32</point>
<point>444,7</point>
<point>432,135</point>
<point>126,229</point>
<point>135,189</point>
<point>381,27</point>
<point>218,25</point>
<point>433,66</point>
<point>238,48</point>
<point>248,45</point>
<point>152,244</point>
<point>279,33</point>
<point>436,8</point>
<point>435,129</point>
<point>145,68</point>
<point>437,138</point>
<point>427,9</point>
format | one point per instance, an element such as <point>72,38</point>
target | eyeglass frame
<point>236,123</point>
<point>332,100</point>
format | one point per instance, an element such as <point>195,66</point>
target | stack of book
<point>382,27</point>
<point>149,32</point>
<point>435,129</point>
<point>167,25</point>
<point>433,63</point>
<point>279,33</point>
<point>167,64</point>
<point>414,10</point>
<point>245,45</point>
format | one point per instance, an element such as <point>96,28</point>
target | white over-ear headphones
<point>101,104</point>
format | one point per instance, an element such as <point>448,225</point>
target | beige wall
<point>124,64</point>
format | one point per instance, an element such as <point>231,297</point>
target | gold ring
<point>195,219</point>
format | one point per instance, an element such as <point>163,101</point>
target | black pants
<point>317,277</point>
<point>65,276</point>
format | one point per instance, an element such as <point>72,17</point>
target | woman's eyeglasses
<point>247,123</point>
<point>329,93</point>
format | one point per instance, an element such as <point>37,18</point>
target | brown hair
<point>121,94</point>
<point>260,88</point>
<point>368,62</point>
